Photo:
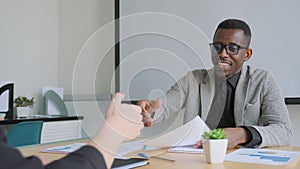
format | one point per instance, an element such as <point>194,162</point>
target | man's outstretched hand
<point>148,107</point>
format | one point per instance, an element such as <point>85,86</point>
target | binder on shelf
<point>53,101</point>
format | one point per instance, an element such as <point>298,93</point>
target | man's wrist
<point>255,138</point>
<point>245,135</point>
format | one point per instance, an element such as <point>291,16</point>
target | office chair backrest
<point>25,133</point>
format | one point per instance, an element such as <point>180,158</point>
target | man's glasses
<point>231,49</point>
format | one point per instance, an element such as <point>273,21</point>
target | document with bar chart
<point>262,156</point>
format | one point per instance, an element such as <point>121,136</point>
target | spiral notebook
<point>186,149</point>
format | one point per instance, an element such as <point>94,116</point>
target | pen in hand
<point>161,158</point>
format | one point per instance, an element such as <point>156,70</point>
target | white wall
<point>28,45</point>
<point>155,29</point>
<point>80,39</point>
<point>40,42</point>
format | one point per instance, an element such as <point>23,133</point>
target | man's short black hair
<point>235,24</point>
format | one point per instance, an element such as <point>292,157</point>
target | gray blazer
<point>258,103</point>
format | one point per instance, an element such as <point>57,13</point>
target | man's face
<point>229,64</point>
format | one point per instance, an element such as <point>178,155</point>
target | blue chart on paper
<point>273,158</point>
<point>263,156</point>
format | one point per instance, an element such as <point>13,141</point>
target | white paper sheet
<point>187,134</point>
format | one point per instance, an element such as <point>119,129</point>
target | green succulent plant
<point>23,101</point>
<point>214,134</point>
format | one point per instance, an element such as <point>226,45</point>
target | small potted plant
<point>24,106</point>
<point>215,146</point>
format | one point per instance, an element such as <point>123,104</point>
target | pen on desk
<point>143,155</point>
<point>161,158</point>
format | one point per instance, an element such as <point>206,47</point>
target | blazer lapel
<point>207,91</point>
<point>240,96</point>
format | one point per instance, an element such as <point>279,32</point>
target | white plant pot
<point>24,111</point>
<point>215,150</point>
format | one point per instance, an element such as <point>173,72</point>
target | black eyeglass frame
<point>213,49</point>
